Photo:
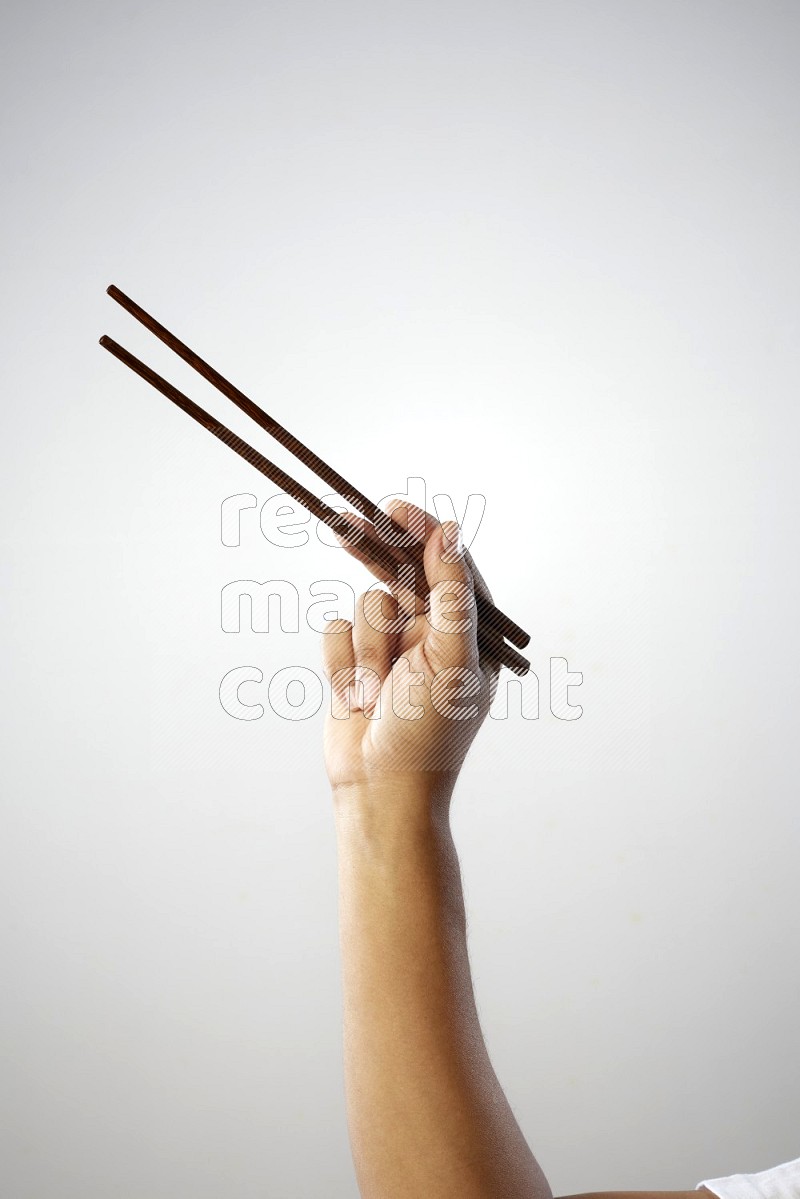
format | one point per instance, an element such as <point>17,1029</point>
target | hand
<point>409,687</point>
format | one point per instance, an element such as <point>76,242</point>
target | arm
<point>427,1116</point>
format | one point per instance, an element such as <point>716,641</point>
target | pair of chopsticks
<point>375,541</point>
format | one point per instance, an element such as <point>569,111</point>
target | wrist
<point>394,802</point>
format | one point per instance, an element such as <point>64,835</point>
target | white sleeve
<point>781,1182</point>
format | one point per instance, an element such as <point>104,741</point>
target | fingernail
<point>452,541</point>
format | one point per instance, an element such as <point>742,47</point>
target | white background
<point>542,252</point>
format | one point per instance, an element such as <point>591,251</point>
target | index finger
<point>420,525</point>
<point>407,598</point>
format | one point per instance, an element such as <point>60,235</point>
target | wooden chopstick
<point>412,554</point>
<point>375,548</point>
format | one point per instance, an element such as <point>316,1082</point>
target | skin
<point>427,1116</point>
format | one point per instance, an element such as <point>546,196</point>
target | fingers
<point>452,614</point>
<point>421,525</point>
<point>338,662</point>
<point>417,523</point>
<point>374,639</point>
<point>401,585</point>
<point>424,524</point>
<point>357,658</point>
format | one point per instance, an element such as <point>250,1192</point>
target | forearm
<point>427,1116</point>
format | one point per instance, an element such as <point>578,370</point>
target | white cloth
<point>780,1182</point>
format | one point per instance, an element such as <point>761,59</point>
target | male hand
<point>426,687</point>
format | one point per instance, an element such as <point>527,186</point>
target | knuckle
<point>341,677</point>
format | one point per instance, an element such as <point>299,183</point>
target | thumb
<point>451,605</point>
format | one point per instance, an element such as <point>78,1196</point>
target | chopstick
<point>488,639</point>
<point>390,556</point>
<point>488,613</point>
